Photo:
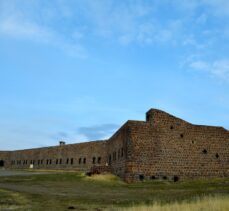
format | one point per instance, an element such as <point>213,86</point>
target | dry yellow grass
<point>102,177</point>
<point>213,203</point>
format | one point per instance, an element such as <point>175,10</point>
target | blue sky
<point>78,69</point>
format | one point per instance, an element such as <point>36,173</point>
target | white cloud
<point>31,31</point>
<point>199,65</point>
<point>22,29</point>
<point>218,68</point>
<point>18,23</point>
<point>63,23</point>
<point>221,69</point>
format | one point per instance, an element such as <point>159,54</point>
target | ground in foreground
<point>72,190</point>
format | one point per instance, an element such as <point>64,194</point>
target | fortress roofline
<point>153,112</point>
<point>160,147</point>
<point>57,146</point>
<point>158,111</point>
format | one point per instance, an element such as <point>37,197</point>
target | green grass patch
<point>60,190</point>
<point>10,200</point>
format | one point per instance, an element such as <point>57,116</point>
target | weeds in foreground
<point>207,203</point>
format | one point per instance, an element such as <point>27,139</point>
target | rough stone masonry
<point>163,147</point>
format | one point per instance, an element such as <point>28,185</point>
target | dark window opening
<point>147,117</point>
<point>72,160</point>
<point>1,163</point>
<point>89,174</point>
<point>99,160</point>
<point>67,161</point>
<point>171,127</point>
<point>38,162</point>
<point>153,177</point>
<point>217,155</point>
<point>141,177</point>
<point>164,178</point>
<point>60,161</point>
<point>50,161</point>
<point>114,155</point>
<point>205,151</point>
<point>47,162</point>
<point>109,159</point>
<point>175,178</point>
<point>122,152</point>
<point>84,160</point>
<point>79,160</point>
<point>118,153</point>
<point>93,160</point>
<point>56,161</point>
<point>182,135</point>
<point>41,162</point>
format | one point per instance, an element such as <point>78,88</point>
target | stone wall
<point>118,151</point>
<point>73,156</point>
<point>162,147</point>
<point>165,147</point>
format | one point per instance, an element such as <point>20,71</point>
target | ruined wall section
<point>80,156</point>
<point>166,147</point>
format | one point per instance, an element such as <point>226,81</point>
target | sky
<point>77,70</point>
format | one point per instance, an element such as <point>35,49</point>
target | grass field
<point>71,190</point>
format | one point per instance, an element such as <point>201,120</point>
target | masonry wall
<point>118,151</point>
<point>165,147</point>
<point>73,156</point>
<point>162,147</point>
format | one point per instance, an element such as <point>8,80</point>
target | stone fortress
<point>162,147</point>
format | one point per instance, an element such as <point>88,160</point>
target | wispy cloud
<point>218,68</point>
<point>124,22</point>
<point>96,132</point>
<point>71,25</point>
<point>17,23</point>
<point>22,29</point>
<point>212,7</point>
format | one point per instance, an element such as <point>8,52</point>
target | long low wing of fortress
<point>162,147</point>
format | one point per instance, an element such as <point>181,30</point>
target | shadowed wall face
<point>118,151</point>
